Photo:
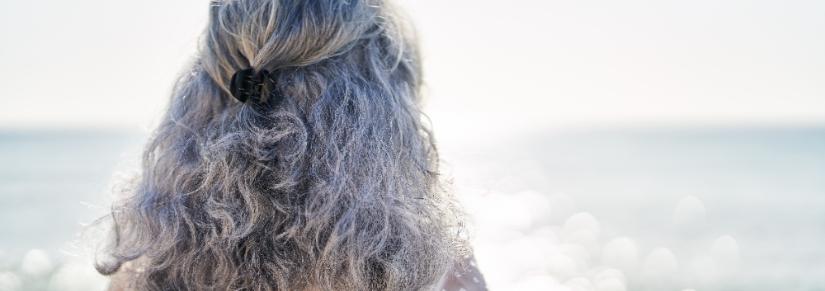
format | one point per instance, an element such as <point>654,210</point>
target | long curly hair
<point>335,188</point>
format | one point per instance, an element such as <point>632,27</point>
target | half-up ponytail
<point>334,188</point>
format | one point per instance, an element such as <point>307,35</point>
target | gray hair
<point>336,188</point>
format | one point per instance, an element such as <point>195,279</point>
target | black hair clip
<point>249,85</point>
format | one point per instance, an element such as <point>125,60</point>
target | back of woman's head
<point>335,187</point>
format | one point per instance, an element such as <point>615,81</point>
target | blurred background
<point>597,145</point>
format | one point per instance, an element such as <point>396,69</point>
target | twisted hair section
<point>335,188</point>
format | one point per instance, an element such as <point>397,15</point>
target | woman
<point>293,156</point>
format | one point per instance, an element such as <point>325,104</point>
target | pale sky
<point>110,63</point>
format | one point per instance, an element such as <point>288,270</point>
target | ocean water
<point>600,209</point>
<point>754,197</point>
<point>52,185</point>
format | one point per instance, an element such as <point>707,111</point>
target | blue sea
<point>690,199</point>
